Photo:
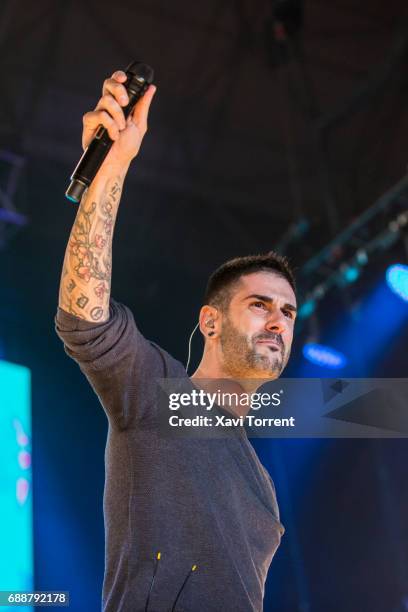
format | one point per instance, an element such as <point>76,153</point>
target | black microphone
<point>139,77</point>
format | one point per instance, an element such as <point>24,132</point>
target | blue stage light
<point>324,356</point>
<point>397,279</point>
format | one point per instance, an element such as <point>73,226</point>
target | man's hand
<point>126,134</point>
<point>86,273</point>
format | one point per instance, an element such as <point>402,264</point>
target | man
<point>191,524</point>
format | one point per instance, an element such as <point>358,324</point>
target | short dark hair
<point>223,279</point>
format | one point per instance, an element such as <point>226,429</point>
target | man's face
<point>257,329</point>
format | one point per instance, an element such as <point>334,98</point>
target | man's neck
<point>236,392</point>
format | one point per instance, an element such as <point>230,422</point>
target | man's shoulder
<point>172,368</point>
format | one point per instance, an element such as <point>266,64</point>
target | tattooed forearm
<point>86,276</point>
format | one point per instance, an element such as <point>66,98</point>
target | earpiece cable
<point>189,346</point>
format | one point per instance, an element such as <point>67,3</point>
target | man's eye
<point>259,305</point>
<point>288,313</point>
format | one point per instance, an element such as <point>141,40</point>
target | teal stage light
<point>397,280</point>
<point>306,309</point>
<point>349,273</point>
<point>16,515</point>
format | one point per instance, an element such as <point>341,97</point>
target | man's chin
<point>268,371</point>
<point>265,376</point>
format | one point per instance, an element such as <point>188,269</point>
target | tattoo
<point>88,258</point>
<point>82,301</point>
<point>84,247</point>
<point>100,290</point>
<point>96,313</point>
<point>74,312</point>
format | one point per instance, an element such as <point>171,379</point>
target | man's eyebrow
<point>268,300</point>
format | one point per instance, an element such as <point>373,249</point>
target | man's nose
<point>276,323</point>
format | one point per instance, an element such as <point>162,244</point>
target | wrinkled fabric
<point>203,502</point>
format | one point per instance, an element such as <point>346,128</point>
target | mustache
<point>271,336</point>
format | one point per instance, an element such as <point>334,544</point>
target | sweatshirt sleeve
<point>117,360</point>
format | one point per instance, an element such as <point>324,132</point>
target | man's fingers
<point>100,117</point>
<point>109,111</point>
<point>109,104</point>
<point>115,88</point>
<point>141,110</point>
<point>119,75</point>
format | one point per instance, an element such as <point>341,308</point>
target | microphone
<point>139,77</point>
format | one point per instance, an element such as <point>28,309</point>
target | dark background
<point>249,133</point>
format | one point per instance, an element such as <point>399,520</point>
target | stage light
<point>319,291</point>
<point>362,257</point>
<point>324,356</point>
<point>306,309</point>
<point>349,273</point>
<point>397,280</point>
<point>402,219</point>
<point>16,512</point>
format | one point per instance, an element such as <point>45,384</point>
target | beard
<point>241,357</point>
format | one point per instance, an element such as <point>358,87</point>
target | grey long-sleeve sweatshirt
<point>204,502</point>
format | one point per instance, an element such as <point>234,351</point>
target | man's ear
<point>209,321</point>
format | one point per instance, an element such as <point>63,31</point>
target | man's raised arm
<point>86,274</point>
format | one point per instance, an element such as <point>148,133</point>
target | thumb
<point>141,110</point>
